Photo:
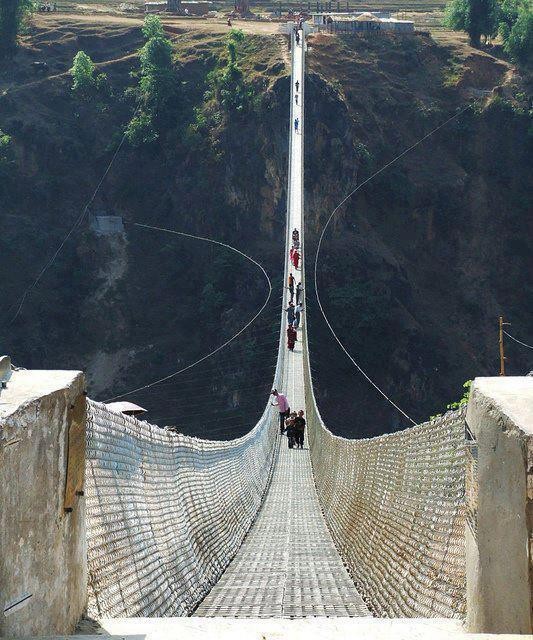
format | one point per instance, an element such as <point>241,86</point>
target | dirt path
<point>207,25</point>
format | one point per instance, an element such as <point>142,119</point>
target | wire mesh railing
<point>395,506</point>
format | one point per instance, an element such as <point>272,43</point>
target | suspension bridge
<point>164,526</point>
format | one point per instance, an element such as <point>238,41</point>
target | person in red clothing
<point>291,337</point>
<point>296,258</point>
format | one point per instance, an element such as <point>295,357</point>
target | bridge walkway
<point>288,565</point>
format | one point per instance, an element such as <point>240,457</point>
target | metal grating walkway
<point>288,565</point>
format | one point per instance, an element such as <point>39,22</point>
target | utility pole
<point>502,324</point>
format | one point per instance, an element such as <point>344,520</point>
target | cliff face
<point>414,270</point>
<point>418,265</point>
<point>132,307</point>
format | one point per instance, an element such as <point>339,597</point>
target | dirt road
<point>210,25</point>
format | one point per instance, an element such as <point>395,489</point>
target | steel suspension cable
<point>224,344</point>
<point>76,224</point>
<point>335,210</point>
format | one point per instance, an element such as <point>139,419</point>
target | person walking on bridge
<point>290,313</point>
<point>296,123</point>
<point>290,431</point>
<point>291,286</point>
<point>295,236</point>
<point>295,258</point>
<point>298,425</point>
<point>281,402</point>
<point>297,312</point>
<point>291,337</point>
<point>299,291</point>
<point>297,85</point>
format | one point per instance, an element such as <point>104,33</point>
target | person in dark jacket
<point>298,425</point>
<point>290,431</point>
<point>290,313</point>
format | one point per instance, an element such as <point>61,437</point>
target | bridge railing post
<point>499,505</point>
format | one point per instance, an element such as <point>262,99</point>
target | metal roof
<point>122,407</point>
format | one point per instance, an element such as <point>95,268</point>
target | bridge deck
<point>288,565</point>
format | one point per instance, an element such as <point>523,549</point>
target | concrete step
<point>282,629</point>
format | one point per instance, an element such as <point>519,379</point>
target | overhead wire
<point>224,344</point>
<point>335,210</point>
<point>226,370</point>
<point>205,384</point>
<point>174,399</point>
<point>76,224</point>
<point>516,340</point>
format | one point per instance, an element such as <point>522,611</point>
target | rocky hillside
<point>414,271</point>
<point>419,264</point>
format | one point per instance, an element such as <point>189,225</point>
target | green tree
<point>153,27</point>
<point>82,73</point>
<point>236,35</point>
<point>476,17</point>
<point>157,82</point>
<point>516,29</point>
<point>6,153</point>
<point>228,83</point>
<point>13,15</point>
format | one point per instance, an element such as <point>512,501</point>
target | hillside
<point>414,271</point>
<point>418,266</point>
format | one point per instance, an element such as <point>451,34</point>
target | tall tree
<point>476,17</point>
<point>516,29</point>
<point>12,15</point>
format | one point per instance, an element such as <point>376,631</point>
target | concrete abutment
<point>43,567</point>
<point>499,505</point>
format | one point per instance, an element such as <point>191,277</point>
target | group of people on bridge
<point>292,424</point>
<point>294,311</point>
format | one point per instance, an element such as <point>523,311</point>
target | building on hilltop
<point>183,7</point>
<point>360,22</point>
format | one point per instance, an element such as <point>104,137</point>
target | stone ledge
<point>27,386</point>
<point>282,629</point>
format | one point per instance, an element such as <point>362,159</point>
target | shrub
<point>464,398</point>
<point>140,130</point>
<point>5,148</point>
<point>82,73</point>
<point>6,158</point>
<point>228,83</point>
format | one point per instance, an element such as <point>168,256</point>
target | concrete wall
<point>500,505</point>
<point>42,546</point>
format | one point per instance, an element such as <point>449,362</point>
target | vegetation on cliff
<point>415,269</point>
<point>512,19</point>
<point>13,15</point>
